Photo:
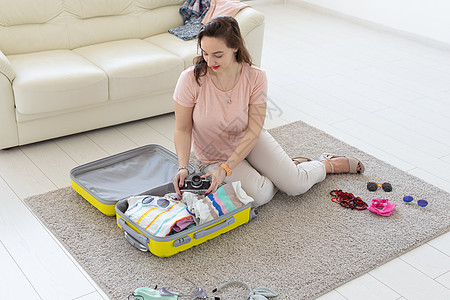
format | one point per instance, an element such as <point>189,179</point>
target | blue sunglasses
<point>421,203</point>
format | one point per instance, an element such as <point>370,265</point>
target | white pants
<point>268,168</point>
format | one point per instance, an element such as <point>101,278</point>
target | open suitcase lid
<point>128,173</point>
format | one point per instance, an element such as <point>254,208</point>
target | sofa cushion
<point>135,67</point>
<point>56,80</point>
<point>186,50</point>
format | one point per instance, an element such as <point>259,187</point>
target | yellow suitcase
<point>107,184</point>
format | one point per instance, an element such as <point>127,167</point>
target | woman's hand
<point>218,176</point>
<point>178,180</point>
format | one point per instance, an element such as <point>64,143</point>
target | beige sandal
<point>352,162</point>
<point>301,159</point>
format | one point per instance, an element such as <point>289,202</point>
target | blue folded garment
<point>188,31</point>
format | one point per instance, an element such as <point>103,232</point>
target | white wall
<point>424,18</point>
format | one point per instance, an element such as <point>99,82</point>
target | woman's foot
<point>300,159</point>
<point>341,164</point>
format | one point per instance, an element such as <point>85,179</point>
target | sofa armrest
<point>9,136</point>
<point>251,23</point>
<point>6,67</point>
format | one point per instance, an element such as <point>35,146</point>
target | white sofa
<point>68,66</point>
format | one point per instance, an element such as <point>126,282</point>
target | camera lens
<point>196,181</point>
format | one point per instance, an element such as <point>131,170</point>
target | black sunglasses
<point>373,186</point>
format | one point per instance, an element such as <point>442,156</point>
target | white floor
<point>386,95</point>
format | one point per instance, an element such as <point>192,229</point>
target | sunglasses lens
<point>387,187</point>
<point>372,186</point>
<point>407,198</point>
<point>163,203</point>
<point>422,203</point>
<point>147,200</point>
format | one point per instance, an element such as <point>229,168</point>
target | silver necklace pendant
<point>223,90</point>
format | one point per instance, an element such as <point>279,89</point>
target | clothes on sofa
<point>227,198</point>
<point>158,215</point>
<point>194,9</point>
<point>198,12</point>
<point>193,12</point>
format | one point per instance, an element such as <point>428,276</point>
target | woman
<point>220,103</point>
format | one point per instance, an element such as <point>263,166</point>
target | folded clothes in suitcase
<point>171,244</point>
<point>108,183</point>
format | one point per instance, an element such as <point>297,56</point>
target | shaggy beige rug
<point>301,247</point>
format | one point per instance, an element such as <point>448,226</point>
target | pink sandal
<point>381,207</point>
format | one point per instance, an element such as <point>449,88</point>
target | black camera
<point>196,184</point>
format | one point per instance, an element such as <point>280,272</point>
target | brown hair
<point>227,29</point>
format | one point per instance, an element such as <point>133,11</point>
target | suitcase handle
<point>138,240</point>
<point>203,233</point>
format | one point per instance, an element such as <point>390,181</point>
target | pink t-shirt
<point>218,126</point>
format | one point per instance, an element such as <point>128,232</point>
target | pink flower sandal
<point>381,207</point>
